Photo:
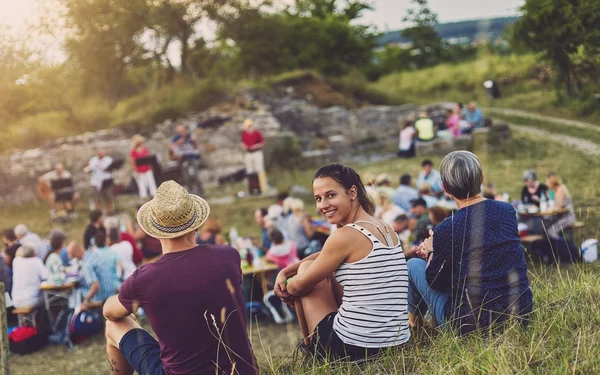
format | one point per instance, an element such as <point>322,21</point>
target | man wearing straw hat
<point>191,295</point>
<point>253,142</point>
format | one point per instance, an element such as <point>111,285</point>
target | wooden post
<point>4,333</point>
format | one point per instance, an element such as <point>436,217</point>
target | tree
<point>427,48</point>
<point>566,34</point>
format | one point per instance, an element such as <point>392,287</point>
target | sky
<point>386,15</point>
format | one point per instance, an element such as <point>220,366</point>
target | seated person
<point>149,246</point>
<point>427,195</point>
<point>406,145</point>
<point>282,252</point>
<point>420,224</point>
<point>54,261</point>
<point>388,211</point>
<point>400,226</point>
<point>453,121</point>
<point>533,189</point>
<point>97,281</point>
<point>211,233</point>
<point>191,296</point>
<point>425,128</point>
<point>28,274</point>
<point>431,176</point>
<point>11,246</point>
<point>562,199</point>
<point>114,222</point>
<point>65,195</point>
<point>124,250</point>
<point>473,272</point>
<point>96,225</point>
<point>474,117</point>
<point>437,215</point>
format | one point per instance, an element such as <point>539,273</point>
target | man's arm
<point>94,288</point>
<point>114,309</point>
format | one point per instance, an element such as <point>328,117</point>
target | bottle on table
<point>543,203</point>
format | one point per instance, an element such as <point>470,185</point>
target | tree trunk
<point>4,351</point>
<point>184,52</point>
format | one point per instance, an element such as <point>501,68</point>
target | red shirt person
<point>253,142</point>
<point>142,173</point>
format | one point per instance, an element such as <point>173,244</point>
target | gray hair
<point>529,175</point>
<point>111,222</point>
<point>21,230</point>
<point>461,174</point>
<point>25,251</point>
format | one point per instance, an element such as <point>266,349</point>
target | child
<point>283,253</point>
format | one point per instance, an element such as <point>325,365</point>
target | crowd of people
<point>459,120</point>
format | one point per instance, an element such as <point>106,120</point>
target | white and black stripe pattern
<point>374,310</point>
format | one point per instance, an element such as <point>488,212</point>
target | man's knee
<point>115,330</point>
<point>304,266</point>
<point>415,265</point>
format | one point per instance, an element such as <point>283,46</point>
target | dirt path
<point>536,116</point>
<point>590,148</point>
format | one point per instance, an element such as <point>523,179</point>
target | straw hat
<point>248,123</point>
<point>381,178</point>
<point>136,140</point>
<point>172,212</point>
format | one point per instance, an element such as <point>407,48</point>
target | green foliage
<point>559,30</point>
<point>316,34</point>
<point>355,85</point>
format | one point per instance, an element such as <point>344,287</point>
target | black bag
<point>30,345</point>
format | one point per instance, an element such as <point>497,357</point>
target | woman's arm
<point>336,250</point>
<point>560,197</point>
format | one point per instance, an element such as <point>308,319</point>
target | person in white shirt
<point>124,250</point>
<point>101,179</point>
<point>406,146</point>
<point>28,274</point>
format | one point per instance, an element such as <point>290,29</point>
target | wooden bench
<point>526,240</point>
<point>26,315</point>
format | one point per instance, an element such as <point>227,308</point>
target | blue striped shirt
<point>100,265</point>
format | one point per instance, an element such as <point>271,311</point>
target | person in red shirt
<point>142,173</point>
<point>253,143</point>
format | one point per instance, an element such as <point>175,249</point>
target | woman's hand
<point>426,246</point>
<point>281,289</point>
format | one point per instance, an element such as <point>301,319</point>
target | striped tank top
<point>374,310</point>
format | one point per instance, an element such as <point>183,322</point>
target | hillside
<point>469,30</point>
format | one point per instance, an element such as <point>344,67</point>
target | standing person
<point>184,149</point>
<point>406,145</point>
<point>253,143</point>
<point>432,177</point>
<point>96,225</point>
<point>143,175</point>
<point>475,275</point>
<point>101,179</point>
<point>405,193</point>
<point>425,128</point>
<point>533,190</point>
<point>365,258</point>
<point>191,295</point>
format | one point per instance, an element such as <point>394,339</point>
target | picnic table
<point>260,269</point>
<point>534,220</point>
<point>56,295</point>
<point>554,212</point>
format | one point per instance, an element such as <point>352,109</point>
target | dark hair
<point>114,234</point>
<point>401,218</point>
<point>347,177</point>
<point>460,105</point>
<point>426,162</point>
<point>275,236</point>
<point>9,233</point>
<point>57,239</point>
<point>282,196</point>
<point>264,211</point>
<point>95,215</point>
<point>100,238</point>
<point>405,179</point>
<point>419,202</point>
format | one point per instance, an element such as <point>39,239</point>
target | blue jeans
<point>421,296</point>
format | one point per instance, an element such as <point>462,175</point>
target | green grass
<point>587,134</point>
<point>563,337</point>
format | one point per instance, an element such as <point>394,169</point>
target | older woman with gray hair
<point>473,272</point>
<point>28,274</point>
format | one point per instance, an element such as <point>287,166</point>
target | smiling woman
<point>351,297</point>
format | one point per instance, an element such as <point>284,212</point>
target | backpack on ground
<point>85,324</point>
<point>61,329</point>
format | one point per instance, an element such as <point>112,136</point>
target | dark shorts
<point>106,195</point>
<point>326,343</point>
<point>142,352</point>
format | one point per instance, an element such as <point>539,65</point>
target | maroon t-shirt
<point>181,293</point>
<point>252,138</point>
